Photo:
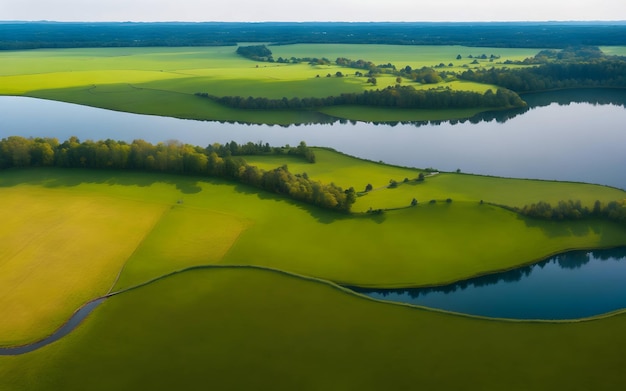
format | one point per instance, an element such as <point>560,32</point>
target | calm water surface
<point>572,285</point>
<point>577,141</point>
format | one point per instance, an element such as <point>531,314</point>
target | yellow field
<point>59,250</point>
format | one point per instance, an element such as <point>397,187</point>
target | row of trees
<point>250,148</point>
<point>574,210</point>
<point>396,96</point>
<point>177,158</point>
<point>571,68</point>
<point>599,73</point>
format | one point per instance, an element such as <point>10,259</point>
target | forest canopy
<point>32,35</point>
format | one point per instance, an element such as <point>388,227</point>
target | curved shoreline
<point>84,311</point>
<point>70,325</point>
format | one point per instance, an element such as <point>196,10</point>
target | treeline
<point>396,96</point>
<point>29,35</point>
<point>250,148</point>
<point>574,210</point>
<point>596,72</point>
<point>176,158</point>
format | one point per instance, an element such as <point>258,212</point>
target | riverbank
<point>163,81</point>
<point>239,226</point>
<point>307,328</point>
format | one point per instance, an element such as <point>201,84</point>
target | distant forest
<point>33,35</point>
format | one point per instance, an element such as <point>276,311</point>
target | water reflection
<point>580,142</point>
<point>614,97</point>
<point>570,285</point>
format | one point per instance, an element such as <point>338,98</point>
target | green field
<point>347,171</point>
<point>241,329</point>
<point>162,81</point>
<point>267,303</point>
<point>177,222</point>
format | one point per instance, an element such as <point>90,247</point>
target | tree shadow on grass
<point>320,214</point>
<point>72,177</point>
<point>578,228</point>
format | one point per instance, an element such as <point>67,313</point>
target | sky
<point>312,10</point>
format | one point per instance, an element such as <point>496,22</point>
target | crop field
<point>60,249</point>
<point>163,81</point>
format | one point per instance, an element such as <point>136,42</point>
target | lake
<point>573,285</point>
<point>580,136</point>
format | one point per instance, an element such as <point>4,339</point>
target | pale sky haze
<point>313,10</point>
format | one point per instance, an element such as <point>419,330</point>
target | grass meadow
<point>266,302</point>
<point>84,233</point>
<point>348,171</point>
<point>260,308</point>
<point>235,329</point>
<point>162,81</point>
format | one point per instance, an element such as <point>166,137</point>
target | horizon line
<point>316,21</point>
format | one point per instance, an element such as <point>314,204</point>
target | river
<point>580,137</point>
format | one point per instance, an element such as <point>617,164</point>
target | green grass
<point>162,81</point>
<point>180,240</point>
<point>347,171</point>
<point>85,230</point>
<point>429,244</point>
<point>401,55</point>
<point>88,225</point>
<point>236,329</point>
<point>614,50</point>
<point>172,104</point>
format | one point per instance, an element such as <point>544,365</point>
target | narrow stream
<point>61,332</point>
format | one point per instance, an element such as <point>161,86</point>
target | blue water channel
<point>573,285</point>
<point>61,332</point>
